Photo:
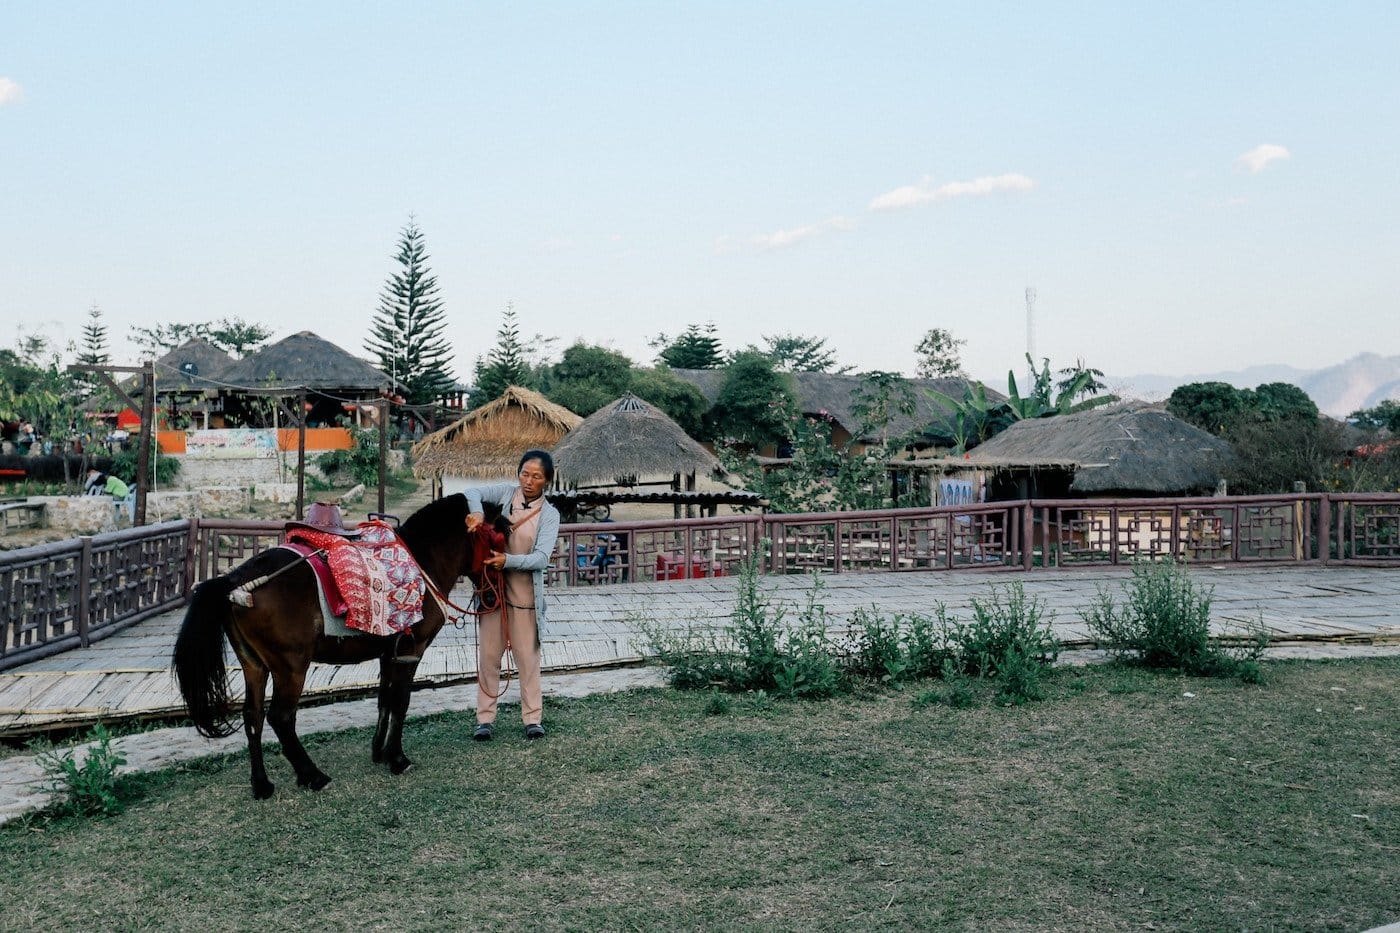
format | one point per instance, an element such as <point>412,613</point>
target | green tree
<point>693,349</point>
<point>1385,415</point>
<point>587,377</point>
<point>406,333</point>
<point>506,364</point>
<point>939,355</point>
<point>94,352</point>
<point>236,336</point>
<point>793,353</point>
<point>1279,401</point>
<point>755,404</point>
<point>1272,455</point>
<point>1081,379</point>
<point>1046,398</point>
<point>680,400</point>
<point>880,396</point>
<point>1211,406</point>
<point>160,339</point>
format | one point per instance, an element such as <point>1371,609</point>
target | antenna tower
<point>1030,331</point>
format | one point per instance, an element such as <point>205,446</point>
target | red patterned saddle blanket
<point>379,581</point>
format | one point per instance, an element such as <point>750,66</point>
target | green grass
<point>1116,804</point>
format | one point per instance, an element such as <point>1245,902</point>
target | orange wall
<point>316,439</point>
<point>173,442</point>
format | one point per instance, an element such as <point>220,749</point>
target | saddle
<point>324,517</point>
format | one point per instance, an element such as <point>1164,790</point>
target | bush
<point>88,788</point>
<point>1008,630</point>
<point>360,462</point>
<point>124,466</point>
<point>1164,622</point>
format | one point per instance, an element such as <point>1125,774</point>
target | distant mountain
<point>1363,381</point>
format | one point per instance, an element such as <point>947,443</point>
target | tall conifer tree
<point>504,366</point>
<point>406,334</point>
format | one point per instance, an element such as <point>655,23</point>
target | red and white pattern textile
<point>377,576</point>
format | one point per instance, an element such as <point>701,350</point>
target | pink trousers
<point>525,647</point>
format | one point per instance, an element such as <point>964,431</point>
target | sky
<point>1188,187</point>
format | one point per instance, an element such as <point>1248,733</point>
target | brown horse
<point>282,633</point>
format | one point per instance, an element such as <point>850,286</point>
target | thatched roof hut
<point>1126,448</point>
<point>304,359</point>
<point>625,441</point>
<point>834,395</point>
<point>487,442</point>
<point>194,366</point>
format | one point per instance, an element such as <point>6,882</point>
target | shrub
<point>1008,630</point>
<point>124,466</point>
<point>877,647</point>
<point>1164,622</point>
<point>90,787</point>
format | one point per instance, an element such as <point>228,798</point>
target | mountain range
<point>1363,381</point>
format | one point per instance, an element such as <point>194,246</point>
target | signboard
<point>232,444</point>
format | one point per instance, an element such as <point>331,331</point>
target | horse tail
<point>199,657</point>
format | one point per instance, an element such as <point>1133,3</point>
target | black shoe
<point>484,732</point>
<point>534,731</point>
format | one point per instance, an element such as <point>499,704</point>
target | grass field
<point>1121,802</point>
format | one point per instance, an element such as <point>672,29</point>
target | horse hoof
<point>317,781</point>
<point>400,766</point>
<point>263,789</point>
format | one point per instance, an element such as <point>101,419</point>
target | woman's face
<point>532,479</point>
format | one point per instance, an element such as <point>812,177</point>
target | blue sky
<point>1189,187</point>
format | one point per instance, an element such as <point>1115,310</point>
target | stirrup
<point>400,657</point>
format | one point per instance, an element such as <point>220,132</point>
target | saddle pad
<point>330,593</point>
<point>381,582</point>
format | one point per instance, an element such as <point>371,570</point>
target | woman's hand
<point>497,560</point>
<point>474,521</point>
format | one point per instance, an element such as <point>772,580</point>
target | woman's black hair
<point>546,463</point>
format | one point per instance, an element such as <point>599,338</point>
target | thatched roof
<point>304,359</point>
<point>625,440</point>
<point>487,442</point>
<point>194,366</point>
<point>835,395</point>
<point>1130,447</point>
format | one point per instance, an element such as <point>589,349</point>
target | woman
<point>101,484</point>
<point>529,548</point>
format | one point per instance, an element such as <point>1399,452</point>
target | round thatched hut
<point>486,444</point>
<point>626,442</point>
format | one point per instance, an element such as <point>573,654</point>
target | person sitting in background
<point>103,484</point>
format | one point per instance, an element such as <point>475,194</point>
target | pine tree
<point>504,366</point>
<point>94,352</point>
<point>406,334</point>
<point>94,339</point>
<point>694,349</point>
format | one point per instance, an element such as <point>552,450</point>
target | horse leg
<point>381,729</point>
<point>398,688</point>
<point>255,691</point>
<point>286,693</point>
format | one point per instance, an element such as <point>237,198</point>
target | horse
<point>282,632</point>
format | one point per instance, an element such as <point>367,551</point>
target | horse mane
<point>438,521</point>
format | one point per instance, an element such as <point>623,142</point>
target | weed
<point>1008,629</point>
<point>1164,622</point>
<point>877,648</point>
<point>87,787</point>
<point>961,692</point>
<point>718,704</point>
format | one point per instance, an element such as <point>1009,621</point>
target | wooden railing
<point>72,593</point>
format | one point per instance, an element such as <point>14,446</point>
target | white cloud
<point>1256,159</point>
<point>784,238</point>
<point>925,193</point>
<point>10,92</point>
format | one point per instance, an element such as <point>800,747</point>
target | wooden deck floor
<point>127,676</point>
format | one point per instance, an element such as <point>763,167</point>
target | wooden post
<point>383,404</point>
<point>1027,534</point>
<point>84,589</point>
<point>301,454</point>
<point>148,414</point>
<point>191,557</point>
<point>675,487</point>
<point>1324,529</point>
